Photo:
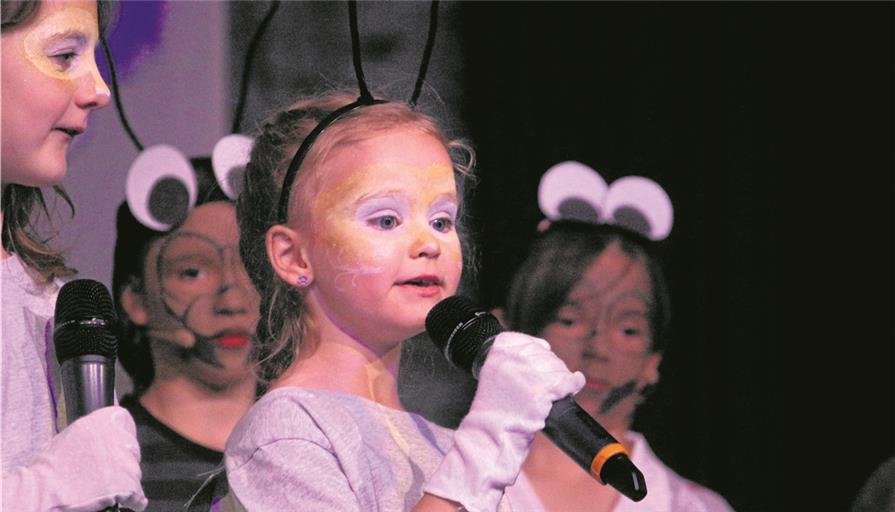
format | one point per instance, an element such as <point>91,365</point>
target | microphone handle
<point>586,442</point>
<point>88,382</point>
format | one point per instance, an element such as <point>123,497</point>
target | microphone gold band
<point>602,456</point>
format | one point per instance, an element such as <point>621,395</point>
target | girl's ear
<point>500,315</point>
<point>133,305</point>
<point>286,252</point>
<point>651,369</point>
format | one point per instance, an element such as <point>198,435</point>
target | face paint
<point>194,271</point>
<point>616,395</point>
<point>62,46</point>
<point>352,246</point>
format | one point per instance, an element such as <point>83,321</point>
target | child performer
<point>364,243</point>
<point>50,87</point>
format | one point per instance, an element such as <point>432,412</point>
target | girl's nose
<point>425,245</point>
<point>92,92</point>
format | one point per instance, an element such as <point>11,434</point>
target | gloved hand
<point>92,464</point>
<point>518,383</point>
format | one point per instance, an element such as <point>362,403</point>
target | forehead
<point>395,158</point>
<point>614,273</point>
<point>67,15</point>
<point>216,221</point>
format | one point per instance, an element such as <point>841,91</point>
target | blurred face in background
<point>198,305</point>
<point>603,330</point>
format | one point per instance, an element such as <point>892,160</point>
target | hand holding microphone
<point>94,463</point>
<point>502,422</point>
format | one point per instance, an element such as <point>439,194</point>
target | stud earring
<point>303,281</point>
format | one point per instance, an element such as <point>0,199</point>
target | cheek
<point>568,350</point>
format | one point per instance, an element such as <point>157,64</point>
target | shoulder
<point>296,414</point>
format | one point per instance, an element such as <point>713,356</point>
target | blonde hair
<point>283,323</point>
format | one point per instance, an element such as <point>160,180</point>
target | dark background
<point>770,125</point>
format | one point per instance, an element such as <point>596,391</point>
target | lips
<point>422,281</point>
<point>70,131</point>
<point>232,340</point>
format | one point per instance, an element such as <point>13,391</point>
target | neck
<point>337,362</point>
<point>198,412</point>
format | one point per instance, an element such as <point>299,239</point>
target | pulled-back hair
<point>556,263</point>
<point>284,324</point>
<point>20,202</point>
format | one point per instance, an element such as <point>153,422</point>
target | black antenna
<point>427,53</point>
<point>356,53</point>
<point>247,66</point>
<point>116,95</point>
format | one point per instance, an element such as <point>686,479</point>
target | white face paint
<point>50,86</point>
<point>384,248</point>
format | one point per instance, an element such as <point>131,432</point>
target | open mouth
<point>422,281</point>
<point>71,132</point>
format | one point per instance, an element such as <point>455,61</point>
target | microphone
<point>465,332</point>
<point>86,347</point>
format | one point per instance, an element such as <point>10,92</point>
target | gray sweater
<point>311,450</point>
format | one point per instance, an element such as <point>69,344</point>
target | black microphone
<point>86,347</point>
<point>465,332</point>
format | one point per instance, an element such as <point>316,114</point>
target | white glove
<point>92,464</point>
<point>519,382</point>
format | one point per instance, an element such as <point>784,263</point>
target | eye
<point>443,224</point>
<point>385,222</point>
<point>65,60</point>
<point>189,273</point>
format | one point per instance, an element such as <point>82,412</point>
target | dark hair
<point>20,202</point>
<point>17,12</point>
<point>132,245</point>
<point>556,262</point>
<point>283,323</point>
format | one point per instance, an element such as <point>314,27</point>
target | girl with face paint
<point>364,244</point>
<point>50,86</point>
<point>188,313</point>
<point>597,294</point>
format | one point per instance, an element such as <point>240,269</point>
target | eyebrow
<point>79,36</point>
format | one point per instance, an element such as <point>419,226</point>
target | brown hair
<point>283,323</point>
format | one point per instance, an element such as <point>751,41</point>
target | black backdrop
<point>771,127</point>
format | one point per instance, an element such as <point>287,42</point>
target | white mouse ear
<point>229,159</point>
<point>641,205</point>
<point>571,190</point>
<point>161,187</point>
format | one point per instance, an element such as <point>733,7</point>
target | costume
<point>666,490</point>
<point>306,449</point>
<point>31,387</point>
<point>174,468</point>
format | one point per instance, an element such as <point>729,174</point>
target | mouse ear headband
<point>573,191</point>
<point>365,99</point>
<point>162,185</point>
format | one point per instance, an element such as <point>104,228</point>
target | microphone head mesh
<point>459,328</point>
<point>85,321</point>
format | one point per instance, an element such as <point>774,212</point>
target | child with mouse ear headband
<point>593,286</point>
<point>187,309</point>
